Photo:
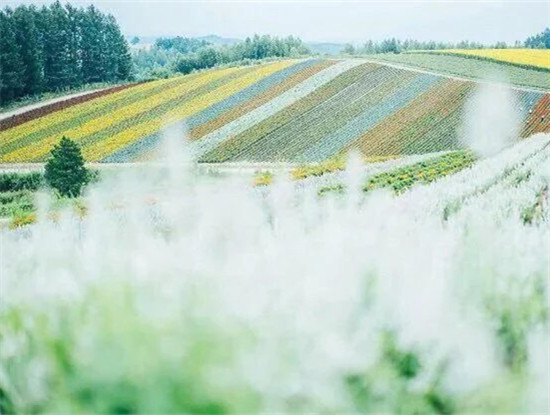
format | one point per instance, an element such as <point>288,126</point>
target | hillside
<point>297,111</point>
<point>465,66</point>
<point>531,58</point>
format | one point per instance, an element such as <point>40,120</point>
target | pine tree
<point>92,45</point>
<point>124,63</point>
<point>110,52</point>
<point>58,73</point>
<point>65,169</point>
<point>58,47</point>
<point>11,82</point>
<point>74,17</point>
<point>28,39</point>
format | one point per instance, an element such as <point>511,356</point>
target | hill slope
<point>465,66</point>
<point>288,111</point>
<point>531,58</point>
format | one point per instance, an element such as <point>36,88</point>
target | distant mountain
<point>325,48</point>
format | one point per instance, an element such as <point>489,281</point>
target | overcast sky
<point>321,20</point>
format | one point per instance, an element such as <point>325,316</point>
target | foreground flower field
<point>181,292</point>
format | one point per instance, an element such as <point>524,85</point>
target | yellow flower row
<point>97,151</point>
<point>41,147</point>
<point>530,57</point>
<point>75,111</point>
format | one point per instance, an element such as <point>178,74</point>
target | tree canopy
<point>58,47</point>
<point>65,169</point>
<point>539,41</point>
<point>185,55</point>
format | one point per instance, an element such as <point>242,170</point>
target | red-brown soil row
<point>539,120</point>
<point>24,117</point>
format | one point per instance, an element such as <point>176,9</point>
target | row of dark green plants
<point>403,178</point>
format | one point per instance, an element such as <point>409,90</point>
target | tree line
<point>392,45</point>
<point>59,47</point>
<point>185,55</point>
<point>539,41</point>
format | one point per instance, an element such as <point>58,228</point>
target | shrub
<point>13,182</point>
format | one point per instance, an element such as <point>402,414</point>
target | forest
<point>59,47</point>
<point>184,55</point>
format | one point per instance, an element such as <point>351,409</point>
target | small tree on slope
<point>65,169</point>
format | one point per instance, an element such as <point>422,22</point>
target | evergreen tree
<point>11,82</point>
<point>58,71</point>
<point>65,169</point>
<point>118,60</point>
<point>58,47</point>
<point>27,38</point>
<point>74,38</point>
<point>93,56</point>
<point>125,70</point>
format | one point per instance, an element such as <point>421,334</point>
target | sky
<point>329,21</point>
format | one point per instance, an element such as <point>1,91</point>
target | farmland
<point>294,111</point>
<point>531,58</point>
<point>462,66</point>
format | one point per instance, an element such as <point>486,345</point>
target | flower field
<point>537,58</point>
<point>296,111</point>
<point>466,67</point>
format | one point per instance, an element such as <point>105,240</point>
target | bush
<point>65,170</point>
<point>13,182</point>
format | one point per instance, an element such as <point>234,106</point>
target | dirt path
<point>21,110</point>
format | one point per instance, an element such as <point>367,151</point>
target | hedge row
<point>13,182</point>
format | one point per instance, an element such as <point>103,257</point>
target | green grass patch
<point>424,172</point>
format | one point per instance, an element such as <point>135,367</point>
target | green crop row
<point>403,178</point>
